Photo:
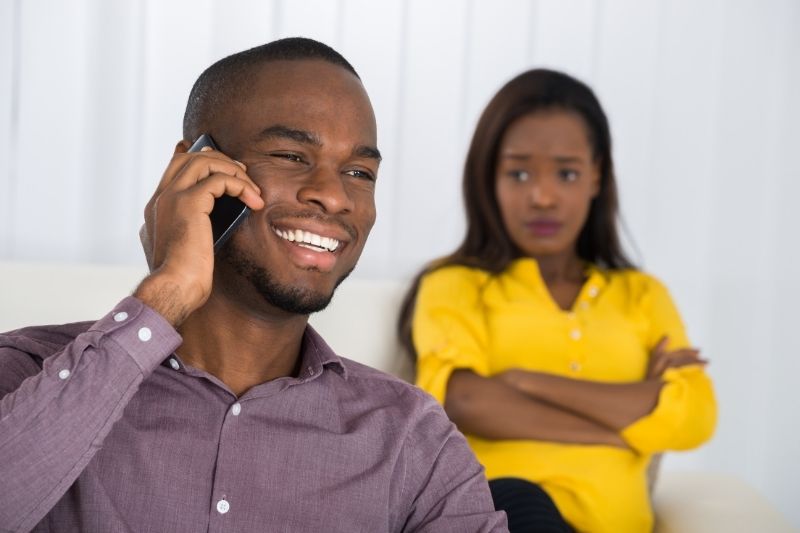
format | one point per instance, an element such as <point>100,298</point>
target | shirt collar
<point>315,356</point>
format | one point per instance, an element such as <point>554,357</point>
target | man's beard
<point>296,300</point>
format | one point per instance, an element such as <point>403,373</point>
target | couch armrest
<point>695,502</point>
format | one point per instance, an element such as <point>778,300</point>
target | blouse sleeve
<point>448,327</point>
<point>686,413</point>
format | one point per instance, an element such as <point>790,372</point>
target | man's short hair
<point>227,80</point>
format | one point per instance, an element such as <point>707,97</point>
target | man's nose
<point>326,188</point>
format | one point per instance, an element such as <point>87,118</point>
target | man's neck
<point>239,347</point>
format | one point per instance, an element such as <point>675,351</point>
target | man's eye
<point>568,174</point>
<point>363,174</point>
<point>289,157</point>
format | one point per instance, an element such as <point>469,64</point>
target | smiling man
<point>204,401</point>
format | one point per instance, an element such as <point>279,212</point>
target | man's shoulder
<point>42,341</point>
<point>379,386</point>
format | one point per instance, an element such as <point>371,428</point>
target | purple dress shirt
<point>104,429</point>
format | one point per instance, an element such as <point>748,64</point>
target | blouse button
<point>575,366</point>
<point>223,506</point>
<point>575,334</point>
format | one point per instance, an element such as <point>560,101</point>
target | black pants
<point>529,508</point>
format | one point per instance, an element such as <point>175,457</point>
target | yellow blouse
<point>468,318</point>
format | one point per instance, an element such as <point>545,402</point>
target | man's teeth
<point>308,240</point>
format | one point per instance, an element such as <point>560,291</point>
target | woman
<point>566,367</point>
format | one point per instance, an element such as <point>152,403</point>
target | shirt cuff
<point>144,334</point>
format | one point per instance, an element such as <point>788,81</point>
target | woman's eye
<point>519,175</point>
<point>568,174</point>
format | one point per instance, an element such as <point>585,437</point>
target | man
<point>204,402</point>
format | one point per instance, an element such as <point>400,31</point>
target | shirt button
<point>119,317</point>
<point>593,291</point>
<point>174,363</point>
<point>575,366</point>
<point>575,334</point>
<point>235,410</point>
<point>145,334</point>
<point>223,506</point>
<point>64,374</point>
<point>584,305</point>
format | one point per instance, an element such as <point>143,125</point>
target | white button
<point>64,374</point>
<point>145,334</point>
<point>575,334</point>
<point>574,366</point>
<point>593,291</point>
<point>584,305</point>
<point>174,363</point>
<point>236,409</point>
<point>119,317</point>
<point>223,506</point>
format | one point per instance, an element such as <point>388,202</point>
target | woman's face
<point>545,180</point>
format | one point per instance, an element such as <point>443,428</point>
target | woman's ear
<point>595,179</point>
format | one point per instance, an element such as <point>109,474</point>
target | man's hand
<point>176,235</point>
<point>662,359</point>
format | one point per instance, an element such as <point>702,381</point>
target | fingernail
<point>205,149</point>
<point>240,164</point>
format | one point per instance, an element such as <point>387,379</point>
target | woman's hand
<point>662,359</point>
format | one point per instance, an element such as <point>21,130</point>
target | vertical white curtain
<point>702,98</point>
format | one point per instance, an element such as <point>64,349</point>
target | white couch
<point>360,324</point>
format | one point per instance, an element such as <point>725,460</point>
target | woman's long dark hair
<point>487,244</point>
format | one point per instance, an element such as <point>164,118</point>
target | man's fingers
<point>218,184</point>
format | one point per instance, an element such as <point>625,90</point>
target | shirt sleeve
<point>444,484</point>
<point>54,419</point>
<point>686,413</point>
<point>448,328</point>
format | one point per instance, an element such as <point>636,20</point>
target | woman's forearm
<point>491,409</point>
<point>614,405</point>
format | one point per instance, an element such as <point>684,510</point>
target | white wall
<point>702,97</point>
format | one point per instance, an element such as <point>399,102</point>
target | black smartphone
<point>228,211</point>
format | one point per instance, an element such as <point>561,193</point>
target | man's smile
<point>307,239</point>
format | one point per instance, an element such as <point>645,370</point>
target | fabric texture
<point>529,509</point>
<point>467,318</point>
<point>103,428</point>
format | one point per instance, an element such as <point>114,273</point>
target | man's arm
<point>492,409</point>
<point>445,488</point>
<point>53,420</point>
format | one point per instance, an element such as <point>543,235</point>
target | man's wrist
<point>164,295</point>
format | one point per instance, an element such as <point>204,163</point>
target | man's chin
<point>291,298</point>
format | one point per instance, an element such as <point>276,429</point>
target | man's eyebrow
<point>368,152</point>
<point>280,131</point>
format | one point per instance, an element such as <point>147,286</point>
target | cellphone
<point>228,211</point>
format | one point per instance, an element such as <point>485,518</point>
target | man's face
<point>307,133</point>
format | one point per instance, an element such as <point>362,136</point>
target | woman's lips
<point>543,228</point>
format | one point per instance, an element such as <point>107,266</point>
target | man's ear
<point>182,147</point>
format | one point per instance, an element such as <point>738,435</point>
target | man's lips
<point>543,228</point>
